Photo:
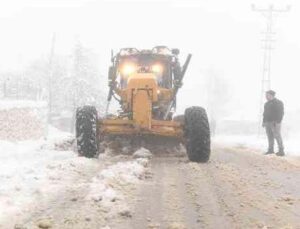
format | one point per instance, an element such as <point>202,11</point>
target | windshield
<point>147,64</point>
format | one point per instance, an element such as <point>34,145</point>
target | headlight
<point>128,69</point>
<point>157,68</point>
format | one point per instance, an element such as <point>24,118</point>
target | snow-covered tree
<point>84,82</point>
<point>66,82</point>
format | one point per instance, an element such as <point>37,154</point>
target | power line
<point>268,40</point>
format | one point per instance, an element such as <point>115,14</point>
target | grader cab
<point>145,83</point>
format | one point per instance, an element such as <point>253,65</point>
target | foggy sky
<point>221,35</point>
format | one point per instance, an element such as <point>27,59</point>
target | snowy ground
<point>37,174</point>
<point>44,184</point>
<point>259,143</point>
<point>17,104</point>
<point>24,172</point>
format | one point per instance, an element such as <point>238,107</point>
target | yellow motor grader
<point>145,83</point>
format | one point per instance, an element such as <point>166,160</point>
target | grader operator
<point>145,83</point>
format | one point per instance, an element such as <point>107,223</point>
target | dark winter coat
<point>273,111</point>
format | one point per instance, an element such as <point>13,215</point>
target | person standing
<point>272,118</point>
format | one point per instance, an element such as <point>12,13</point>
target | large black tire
<point>86,131</point>
<point>197,134</point>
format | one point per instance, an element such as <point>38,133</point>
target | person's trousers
<point>273,130</point>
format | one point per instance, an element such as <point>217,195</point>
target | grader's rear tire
<point>86,131</point>
<point>197,134</point>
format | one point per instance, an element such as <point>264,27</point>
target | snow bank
<point>142,153</point>
<point>59,140</point>
<point>22,120</point>
<point>27,170</point>
<point>105,185</point>
<point>112,187</point>
<point>33,173</point>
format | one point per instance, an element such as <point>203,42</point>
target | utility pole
<point>50,77</point>
<point>268,40</point>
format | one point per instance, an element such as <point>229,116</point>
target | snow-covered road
<point>259,143</point>
<point>44,184</point>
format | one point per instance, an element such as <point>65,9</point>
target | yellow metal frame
<point>141,92</point>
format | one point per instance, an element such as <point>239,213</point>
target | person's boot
<point>269,152</point>
<point>280,153</point>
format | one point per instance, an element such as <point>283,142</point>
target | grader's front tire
<point>86,131</point>
<point>197,134</point>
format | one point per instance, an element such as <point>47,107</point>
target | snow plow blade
<point>123,135</point>
<point>128,127</point>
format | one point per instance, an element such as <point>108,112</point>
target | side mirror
<point>112,56</point>
<point>175,52</point>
